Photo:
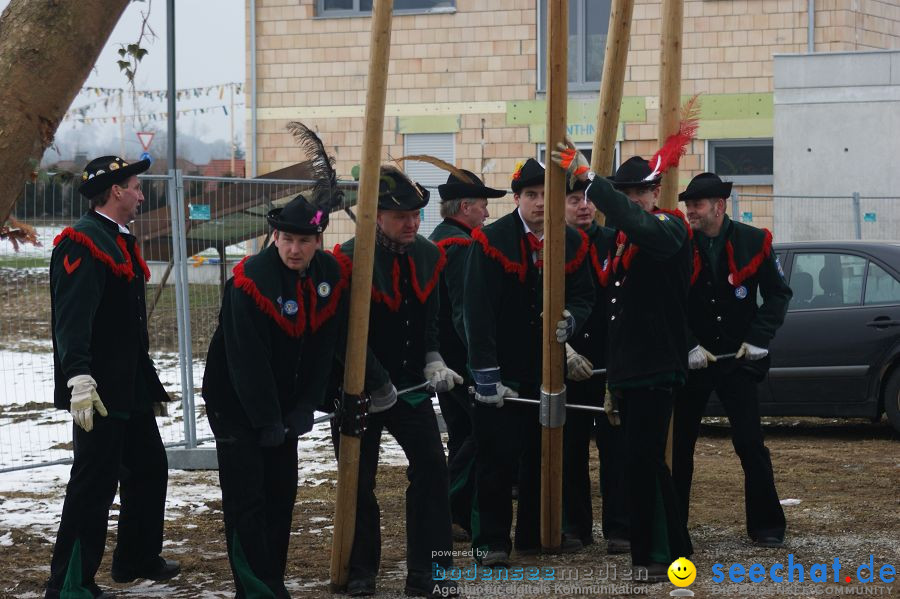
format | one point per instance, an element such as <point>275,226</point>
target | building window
<point>588,25</point>
<point>349,8</point>
<point>745,162</point>
<point>439,145</point>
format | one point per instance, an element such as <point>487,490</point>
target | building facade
<point>466,81</point>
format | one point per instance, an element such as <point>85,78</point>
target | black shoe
<point>96,593</point>
<point>614,546</point>
<point>158,570</point>
<point>460,534</point>
<point>423,585</point>
<point>771,542</point>
<point>652,574</point>
<point>570,544</point>
<point>361,587</point>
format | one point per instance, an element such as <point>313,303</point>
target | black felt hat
<point>397,192</point>
<point>633,173</point>
<point>456,189</point>
<point>298,216</point>
<point>530,173</point>
<point>102,173</point>
<point>706,185</point>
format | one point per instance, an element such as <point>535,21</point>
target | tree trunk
<point>47,49</point>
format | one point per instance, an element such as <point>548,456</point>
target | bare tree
<point>47,49</point>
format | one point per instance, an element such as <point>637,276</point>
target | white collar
<point>122,229</point>
<point>527,228</point>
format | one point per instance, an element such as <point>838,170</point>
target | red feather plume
<point>676,144</point>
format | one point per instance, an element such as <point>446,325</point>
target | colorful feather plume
<point>676,144</point>
<point>319,167</point>
<point>441,164</point>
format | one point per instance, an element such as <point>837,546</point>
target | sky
<point>210,50</point>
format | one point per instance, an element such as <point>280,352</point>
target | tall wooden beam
<point>670,90</point>
<point>361,287</point>
<point>554,271</point>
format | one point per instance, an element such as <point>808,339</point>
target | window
<point>881,287</point>
<point>439,145</point>
<point>588,25</point>
<point>826,280</point>
<point>745,162</point>
<point>349,8</point>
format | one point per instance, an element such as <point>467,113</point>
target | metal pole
<point>811,26</point>
<point>170,71</point>
<point>187,366</point>
<point>735,205</point>
<point>253,88</point>
<point>857,215</point>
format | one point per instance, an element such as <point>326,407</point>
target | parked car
<point>838,352</point>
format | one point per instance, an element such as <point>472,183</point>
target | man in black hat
<point>502,313</point>
<point>733,264</point>
<point>464,207</point>
<point>101,364</point>
<point>647,284</point>
<point>283,313</point>
<point>585,352</point>
<point>403,351</point>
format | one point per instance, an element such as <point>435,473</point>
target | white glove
<point>440,378</point>
<point>578,367</point>
<point>488,388</point>
<point>565,328</point>
<point>699,357</point>
<point>383,399</point>
<point>611,407</point>
<point>84,401</point>
<point>751,352</point>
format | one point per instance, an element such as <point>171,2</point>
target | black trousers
<point>427,496</point>
<point>658,531</point>
<point>456,408</point>
<point>736,389</point>
<point>578,515</point>
<point>127,454</point>
<point>259,489</point>
<point>508,440</point>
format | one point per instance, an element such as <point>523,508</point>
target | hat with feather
<point>307,214</point>
<point>637,172</point>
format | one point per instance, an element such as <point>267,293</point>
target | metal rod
<point>170,73</point>
<point>597,371</point>
<point>330,415</point>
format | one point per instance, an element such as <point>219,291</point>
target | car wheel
<point>892,399</point>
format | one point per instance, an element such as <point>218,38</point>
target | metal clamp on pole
<point>553,408</point>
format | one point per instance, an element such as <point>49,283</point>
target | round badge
<point>290,307</point>
<point>731,279</point>
<point>740,292</point>
<point>324,289</point>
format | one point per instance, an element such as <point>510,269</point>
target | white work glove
<point>488,388</point>
<point>751,352</point>
<point>383,398</point>
<point>611,407</point>
<point>577,366</point>
<point>574,162</point>
<point>699,357</point>
<point>565,328</point>
<point>440,378</point>
<point>84,401</point>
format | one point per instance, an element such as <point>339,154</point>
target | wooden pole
<point>361,287</point>
<point>670,91</point>
<point>611,85</point>
<point>554,269</point>
<point>670,114</point>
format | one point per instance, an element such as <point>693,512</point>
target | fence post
<point>182,304</point>
<point>735,205</point>
<point>857,215</point>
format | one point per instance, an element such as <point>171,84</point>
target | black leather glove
<point>299,422</point>
<point>271,435</point>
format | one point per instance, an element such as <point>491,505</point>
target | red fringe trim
<point>423,294</point>
<point>698,265</point>
<point>319,317</point>
<point>573,264</point>
<point>245,284</point>
<point>140,259</point>
<point>120,269</point>
<point>462,241</point>
<point>602,274</point>
<point>738,276</point>
<point>518,269</point>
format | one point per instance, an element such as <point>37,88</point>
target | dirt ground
<point>845,474</point>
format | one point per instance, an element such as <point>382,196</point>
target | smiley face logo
<point>682,572</point>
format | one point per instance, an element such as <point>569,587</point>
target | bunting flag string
<point>162,94</point>
<point>151,116</point>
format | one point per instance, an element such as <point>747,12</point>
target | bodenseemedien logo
<point>682,573</point>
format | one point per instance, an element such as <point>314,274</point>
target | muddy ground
<point>845,474</point>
